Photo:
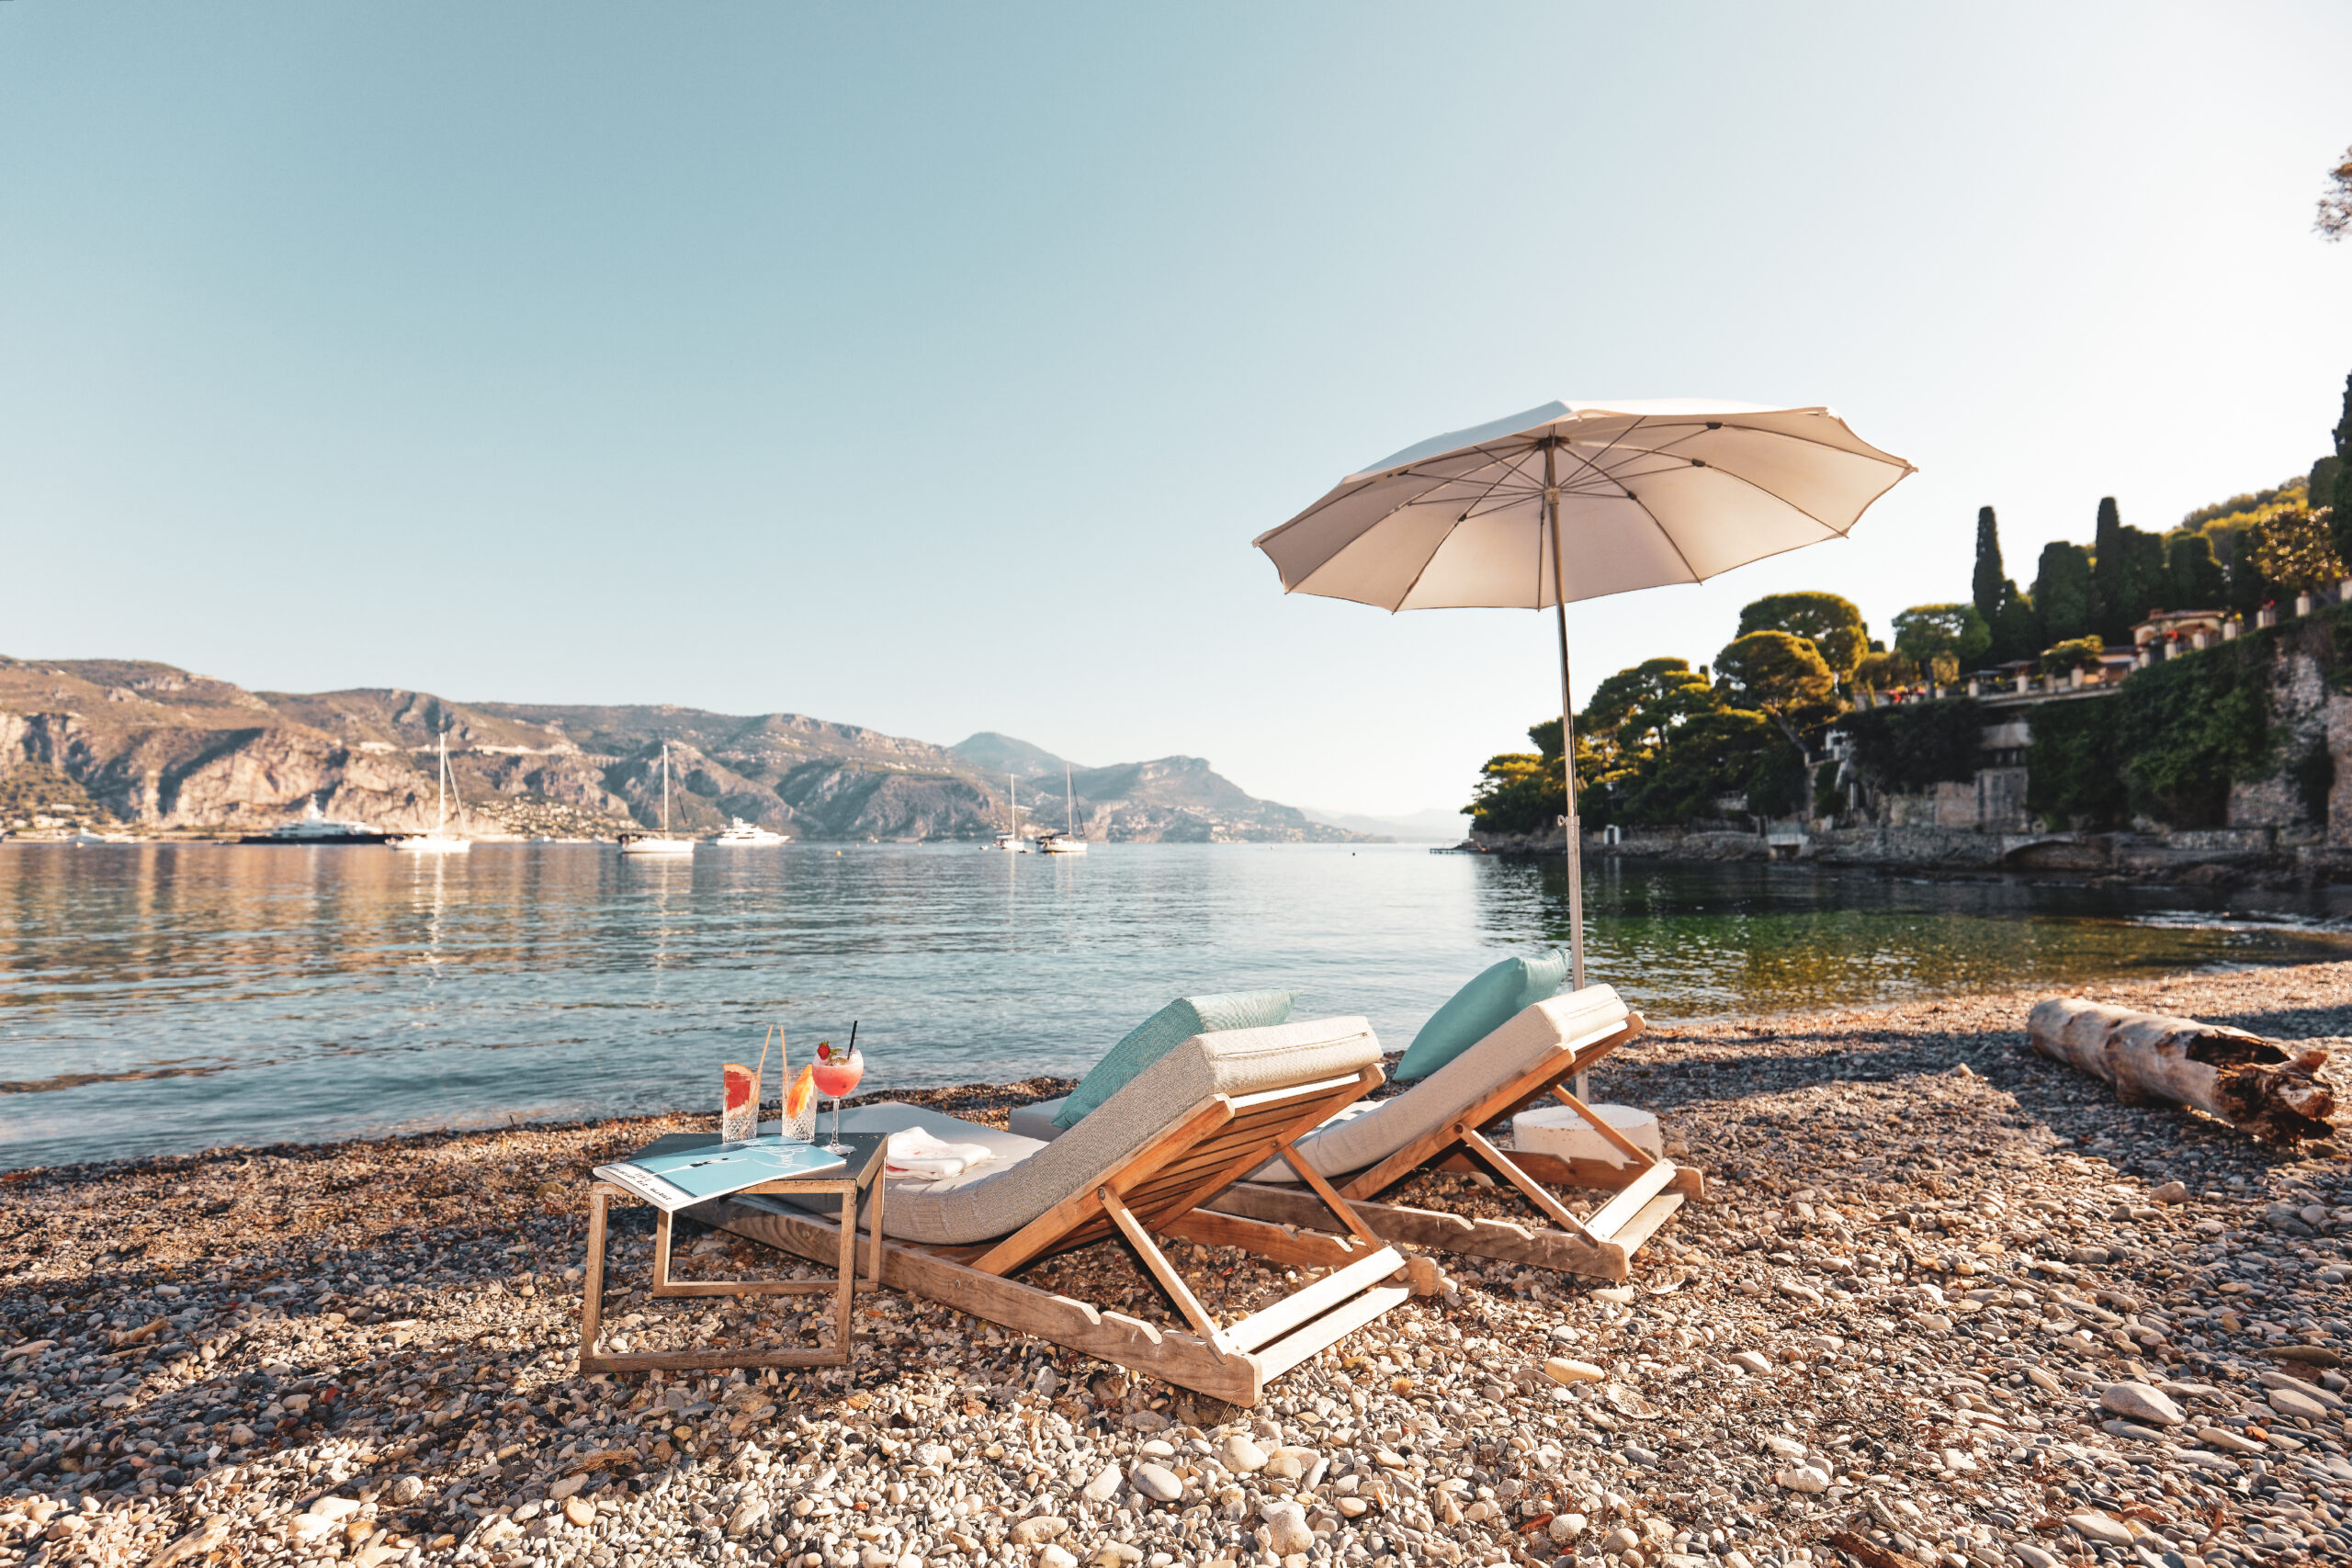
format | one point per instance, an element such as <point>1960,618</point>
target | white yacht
<point>742,833</point>
<point>1010,840</point>
<point>1066,842</point>
<point>440,841</point>
<point>660,843</point>
<point>316,828</point>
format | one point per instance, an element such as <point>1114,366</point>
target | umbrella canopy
<point>1575,500</point>
<point>1649,493</point>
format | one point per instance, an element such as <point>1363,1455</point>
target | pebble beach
<point>1946,1303</point>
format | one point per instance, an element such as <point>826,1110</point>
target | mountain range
<point>154,745</point>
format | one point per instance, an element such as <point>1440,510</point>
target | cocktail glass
<point>838,1073</point>
<point>739,1115</point>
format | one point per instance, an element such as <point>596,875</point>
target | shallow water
<point>156,999</point>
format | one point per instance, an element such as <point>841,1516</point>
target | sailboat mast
<point>665,789</point>
<point>441,784</point>
<point>1069,802</point>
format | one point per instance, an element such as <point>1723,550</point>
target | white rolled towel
<point>915,1154</point>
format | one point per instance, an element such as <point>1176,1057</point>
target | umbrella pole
<point>1574,833</point>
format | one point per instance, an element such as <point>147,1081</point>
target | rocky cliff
<point>153,745</point>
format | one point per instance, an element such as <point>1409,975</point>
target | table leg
<point>848,1264</point>
<point>873,1248</point>
<point>591,1297</point>
<point>661,1251</point>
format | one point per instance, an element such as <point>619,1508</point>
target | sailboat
<point>1066,842</point>
<point>1010,840</point>
<point>660,843</point>
<point>440,841</point>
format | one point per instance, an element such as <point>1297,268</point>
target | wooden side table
<point>865,1170</point>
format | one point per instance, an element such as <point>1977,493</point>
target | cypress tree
<point>1987,585</point>
<point>2146,583</point>
<point>2016,633</point>
<point>2193,579</point>
<point>2062,593</point>
<point>2107,565</point>
<point>2340,493</point>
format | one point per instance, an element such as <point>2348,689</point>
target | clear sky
<point>931,367</point>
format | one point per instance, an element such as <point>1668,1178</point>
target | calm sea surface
<point>157,999</point>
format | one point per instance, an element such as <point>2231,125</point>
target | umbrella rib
<point>1430,560</point>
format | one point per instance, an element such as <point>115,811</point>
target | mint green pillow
<point>1162,1032</point>
<point>1480,1007</point>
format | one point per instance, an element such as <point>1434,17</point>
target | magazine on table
<point>672,1181</point>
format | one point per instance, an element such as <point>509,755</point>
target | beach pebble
<point>1105,1483</point>
<point>1052,1556</point>
<point>2097,1527</point>
<point>570,1484</point>
<point>2024,1551</point>
<point>1287,1528</point>
<point>748,1515</point>
<point>1291,1464</point>
<point>1562,1370</point>
<point>2222,1437</point>
<point>1621,1295</point>
<point>205,1538</point>
<point>1237,1452</point>
<point>1039,1528</point>
<point>2138,1402</point>
<point>1801,1477</point>
<point>1619,1538</point>
<point>1751,1361</point>
<point>340,1508</point>
<point>407,1489</point>
<point>581,1511</point>
<point>1565,1528</point>
<point>2286,1400</point>
<point>2170,1192</point>
<point>1156,1483</point>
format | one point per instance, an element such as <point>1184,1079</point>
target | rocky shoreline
<point>1948,1304</point>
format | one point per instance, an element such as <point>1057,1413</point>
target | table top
<point>864,1161</point>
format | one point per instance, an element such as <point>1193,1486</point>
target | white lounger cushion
<point>998,1197</point>
<point>1371,1130</point>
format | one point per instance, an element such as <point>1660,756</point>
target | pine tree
<point>1985,587</point>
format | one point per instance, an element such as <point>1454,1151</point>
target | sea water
<point>169,998</point>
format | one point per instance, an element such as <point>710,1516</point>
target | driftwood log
<point>2254,1084</point>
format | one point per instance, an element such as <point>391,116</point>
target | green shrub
<point>2187,726</point>
<point>2073,780</point>
<point>1917,745</point>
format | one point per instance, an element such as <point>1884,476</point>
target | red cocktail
<point>837,1074</point>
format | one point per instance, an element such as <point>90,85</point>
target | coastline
<point>393,1322</point>
<point>2220,857</point>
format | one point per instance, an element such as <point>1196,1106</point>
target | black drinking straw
<point>852,1034</point>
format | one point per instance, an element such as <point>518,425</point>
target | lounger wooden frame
<point>1157,1193</point>
<point>1648,1191</point>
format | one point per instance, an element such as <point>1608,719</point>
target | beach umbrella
<point>1578,500</point>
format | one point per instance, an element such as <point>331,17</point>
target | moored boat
<point>660,843</point>
<point>316,828</point>
<point>1066,842</point>
<point>1010,840</point>
<point>440,841</point>
<point>740,833</point>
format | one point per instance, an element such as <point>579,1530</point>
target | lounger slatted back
<point>1211,1111</point>
<point>1443,1122</point>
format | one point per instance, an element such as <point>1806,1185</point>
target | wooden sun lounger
<point>1159,1192</point>
<point>1648,1191</point>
